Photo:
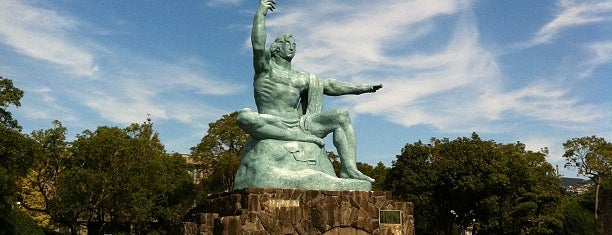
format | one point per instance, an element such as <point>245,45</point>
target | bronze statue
<point>289,102</point>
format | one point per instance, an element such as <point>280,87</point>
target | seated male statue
<point>289,102</point>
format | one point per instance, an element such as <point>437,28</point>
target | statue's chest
<point>289,79</point>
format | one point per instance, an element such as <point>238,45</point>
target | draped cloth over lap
<point>311,103</point>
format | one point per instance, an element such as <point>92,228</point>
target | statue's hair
<point>278,41</point>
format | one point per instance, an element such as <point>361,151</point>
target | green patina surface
<point>287,148</point>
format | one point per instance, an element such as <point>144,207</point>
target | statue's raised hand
<point>268,5</point>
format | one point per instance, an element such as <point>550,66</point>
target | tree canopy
<point>9,96</point>
<point>592,156</point>
<point>497,188</point>
<point>121,177</point>
<point>110,179</point>
<point>220,151</point>
<point>16,158</point>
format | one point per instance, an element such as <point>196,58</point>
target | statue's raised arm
<point>258,35</point>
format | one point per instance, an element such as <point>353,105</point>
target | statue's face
<point>286,49</point>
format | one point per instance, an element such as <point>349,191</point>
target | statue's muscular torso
<point>277,91</point>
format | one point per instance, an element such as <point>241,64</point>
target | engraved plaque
<point>282,203</point>
<point>390,217</point>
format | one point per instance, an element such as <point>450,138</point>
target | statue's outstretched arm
<point>258,34</point>
<point>334,88</point>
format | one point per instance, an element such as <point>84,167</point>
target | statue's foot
<point>311,139</point>
<point>355,174</point>
<point>318,141</point>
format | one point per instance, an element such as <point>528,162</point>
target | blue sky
<point>531,71</point>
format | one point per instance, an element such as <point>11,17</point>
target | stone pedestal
<point>298,211</point>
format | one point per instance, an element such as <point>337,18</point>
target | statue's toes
<point>367,178</point>
<point>356,175</point>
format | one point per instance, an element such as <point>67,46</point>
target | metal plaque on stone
<point>390,217</point>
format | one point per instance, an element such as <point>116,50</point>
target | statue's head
<point>284,47</point>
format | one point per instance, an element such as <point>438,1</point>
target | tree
<point>220,151</point>
<point>91,180</point>
<point>38,187</point>
<point>16,158</point>
<point>578,218</point>
<point>593,158</point>
<point>9,95</point>
<point>121,178</point>
<point>497,188</point>
<point>175,191</point>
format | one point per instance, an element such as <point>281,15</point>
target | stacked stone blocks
<point>299,211</point>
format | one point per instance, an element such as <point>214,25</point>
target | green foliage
<point>593,158</point>
<point>220,151</point>
<point>39,185</point>
<point>591,155</point>
<point>502,188</point>
<point>116,177</point>
<point>20,224</point>
<point>9,95</point>
<point>224,135</point>
<point>16,158</point>
<point>378,173</point>
<point>577,216</point>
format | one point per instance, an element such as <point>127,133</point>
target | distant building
<point>576,185</point>
<point>198,169</point>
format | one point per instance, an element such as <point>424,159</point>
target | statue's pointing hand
<point>376,87</point>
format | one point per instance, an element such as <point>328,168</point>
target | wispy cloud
<point>602,55</point>
<point>44,35</point>
<point>456,88</point>
<point>126,89</point>
<point>428,55</point>
<point>45,106</point>
<point>354,34</point>
<point>573,14</point>
<point>223,2</point>
<point>161,89</point>
<point>544,102</point>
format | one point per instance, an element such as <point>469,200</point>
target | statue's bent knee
<point>249,120</point>
<point>342,116</point>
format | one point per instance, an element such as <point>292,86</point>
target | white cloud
<point>189,75</point>
<point>223,2</point>
<point>544,102</point>
<point>44,35</point>
<point>573,14</point>
<point>538,142</point>
<point>340,34</point>
<point>166,91</point>
<point>458,88</point>
<point>46,106</point>
<point>124,91</point>
<point>602,55</point>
